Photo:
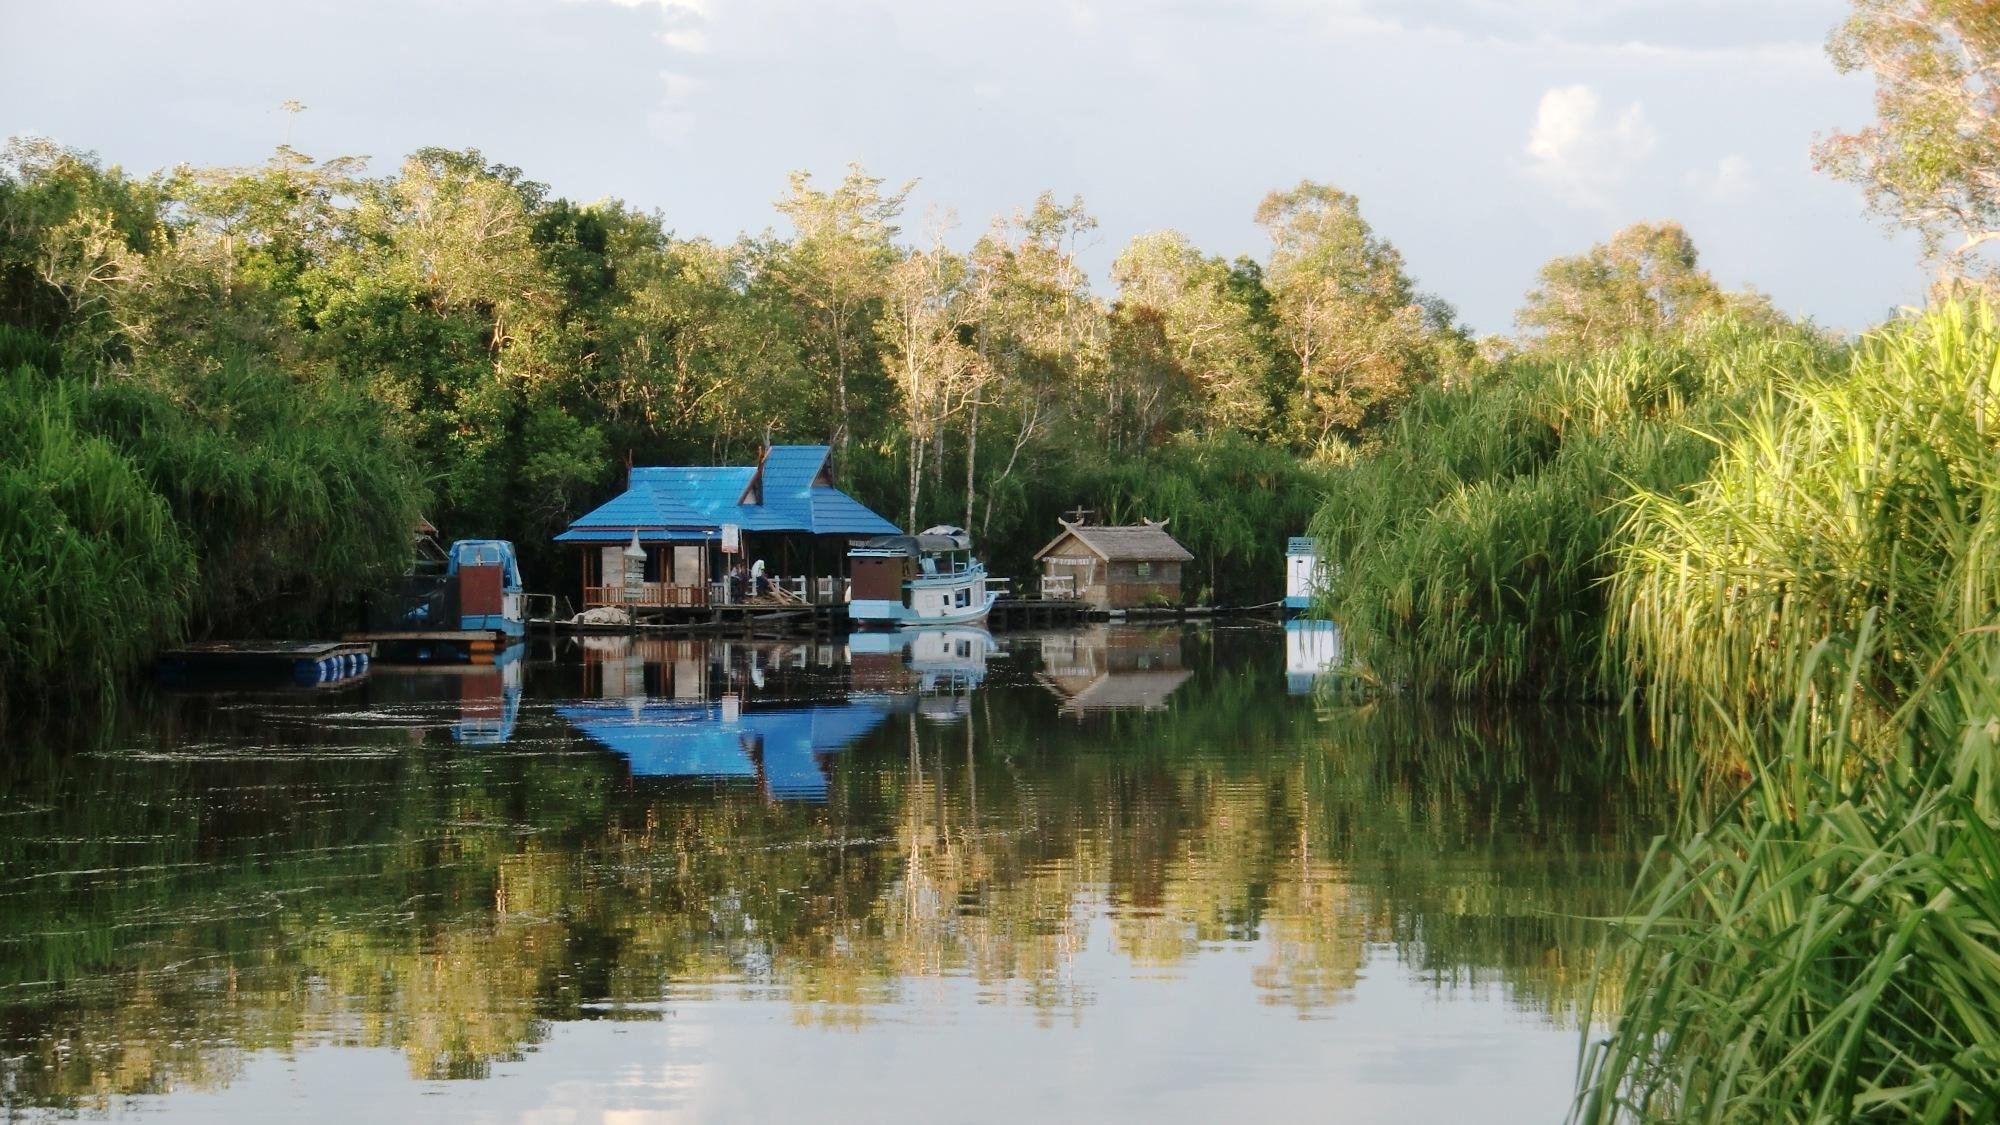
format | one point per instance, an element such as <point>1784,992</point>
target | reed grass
<point>1828,949</point>
<point>1829,501</point>
<point>137,506</point>
<point>1471,550</point>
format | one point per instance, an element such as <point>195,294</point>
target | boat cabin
<point>1114,567</point>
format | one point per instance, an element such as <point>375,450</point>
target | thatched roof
<point>1146,542</point>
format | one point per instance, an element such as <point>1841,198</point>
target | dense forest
<point>257,359</point>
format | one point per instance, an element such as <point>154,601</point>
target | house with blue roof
<point>784,510</point>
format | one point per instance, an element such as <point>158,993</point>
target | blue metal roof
<point>780,494</point>
<point>836,513</point>
<point>696,740</point>
<point>652,535</point>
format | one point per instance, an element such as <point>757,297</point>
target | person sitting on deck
<point>738,580</point>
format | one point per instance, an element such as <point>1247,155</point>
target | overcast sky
<point>1482,136</point>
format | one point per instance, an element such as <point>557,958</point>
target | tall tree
<point>836,269</point>
<point>1352,319</point>
<point>1644,280</point>
<point>1932,157</point>
<point>935,371</point>
<point>1212,330</point>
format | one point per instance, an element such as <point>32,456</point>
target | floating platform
<point>308,663</point>
<point>1017,612</point>
<point>436,646</point>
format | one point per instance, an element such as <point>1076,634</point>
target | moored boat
<point>931,578</point>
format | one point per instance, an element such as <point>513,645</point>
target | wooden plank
<point>426,635</point>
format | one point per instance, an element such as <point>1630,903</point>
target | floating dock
<point>435,646</point>
<point>307,663</point>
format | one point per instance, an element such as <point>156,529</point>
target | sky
<point>1482,137</point>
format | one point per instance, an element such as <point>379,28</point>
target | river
<point>1119,873</point>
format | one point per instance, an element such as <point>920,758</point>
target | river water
<point>1119,873</point>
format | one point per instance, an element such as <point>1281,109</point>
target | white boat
<point>901,581</point>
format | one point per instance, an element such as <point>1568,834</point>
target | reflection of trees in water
<point>455,904</point>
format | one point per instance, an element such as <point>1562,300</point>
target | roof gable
<point>789,489</point>
<point>1146,542</point>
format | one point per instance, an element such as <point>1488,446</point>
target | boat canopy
<point>933,540</point>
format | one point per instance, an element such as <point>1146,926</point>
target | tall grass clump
<point>94,570</point>
<point>137,507</point>
<point>1828,501</point>
<point>1470,551</point>
<point>294,491</point>
<point>1819,616</point>
<point>1827,949</point>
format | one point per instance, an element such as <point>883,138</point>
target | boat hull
<point>884,614</point>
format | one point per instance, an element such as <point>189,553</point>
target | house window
<point>1143,570</point>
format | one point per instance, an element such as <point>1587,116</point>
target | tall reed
<point>1829,948</point>
<point>1471,550</point>
<point>137,506</point>
<point>1829,500</point>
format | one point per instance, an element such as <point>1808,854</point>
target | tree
<point>836,269</point>
<point>1932,157</point>
<point>1349,315</point>
<point>1645,280</point>
<point>1212,330</point>
<point>936,372</point>
<point>1038,331</point>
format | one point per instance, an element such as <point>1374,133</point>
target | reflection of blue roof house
<point>785,507</point>
<point>701,740</point>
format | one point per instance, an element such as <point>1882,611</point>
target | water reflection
<point>876,836</point>
<point>1312,649</point>
<point>1112,668</point>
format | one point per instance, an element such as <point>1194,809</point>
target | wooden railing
<point>662,595</point>
<point>653,595</point>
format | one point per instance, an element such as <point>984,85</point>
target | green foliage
<point>133,507</point>
<point>1821,606</point>
<point>1824,950</point>
<point>1471,550</point>
<point>94,570</point>
<point>1831,498</point>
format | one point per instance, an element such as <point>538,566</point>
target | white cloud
<point>683,23</point>
<point>673,117</point>
<point>1732,179</point>
<point>1580,152</point>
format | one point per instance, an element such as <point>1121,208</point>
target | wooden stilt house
<point>1114,567</point>
<point>692,522</point>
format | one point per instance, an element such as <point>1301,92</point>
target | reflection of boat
<point>490,700</point>
<point>487,696</point>
<point>937,657</point>
<point>1311,649</point>
<point>782,745</point>
<point>1112,668</point>
<point>927,579</point>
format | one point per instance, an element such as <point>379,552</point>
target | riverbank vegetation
<point>306,352</point>
<point>1778,549</point>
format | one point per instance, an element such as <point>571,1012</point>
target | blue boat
<point>908,581</point>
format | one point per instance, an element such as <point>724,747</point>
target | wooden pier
<point>306,663</point>
<point>1019,613</point>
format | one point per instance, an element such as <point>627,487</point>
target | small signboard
<point>732,539</point>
